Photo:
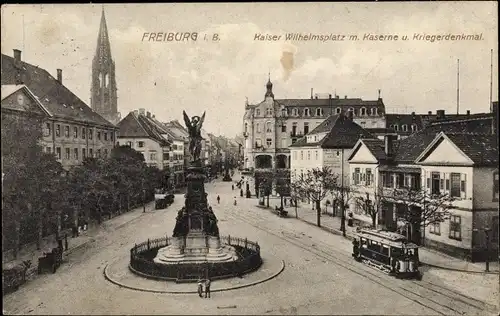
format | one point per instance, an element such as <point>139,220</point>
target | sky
<point>166,78</point>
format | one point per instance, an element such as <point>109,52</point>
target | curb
<point>70,250</point>
<point>193,292</point>
<point>338,232</point>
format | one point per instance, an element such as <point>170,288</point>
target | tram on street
<point>388,251</point>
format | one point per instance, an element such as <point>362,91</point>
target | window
<point>400,180</point>
<point>294,128</point>
<point>66,131</point>
<point>374,111</point>
<point>306,112</point>
<point>140,144</point>
<point>455,227</point>
<point>84,153</point>
<point>396,127</point>
<point>319,112</point>
<point>75,132</point>
<point>351,110</point>
<point>48,150</point>
<point>67,153</point>
<point>47,129</point>
<point>414,127</point>
<point>316,152</point>
<point>258,128</point>
<point>258,142</point>
<point>284,112</point>
<point>269,142</point>
<point>58,131</point>
<point>369,177</point>
<point>90,132</point>
<point>152,156</point>
<point>435,228</point>
<point>105,136</point>
<point>295,112</point>
<point>387,180</point>
<point>454,185</point>
<point>246,127</point>
<point>283,128</point>
<point>338,110</point>
<point>75,153</point>
<point>83,133</point>
<point>356,177</point>
<point>99,135</point>
<point>98,153</point>
<point>435,183</point>
<point>166,156</point>
<point>301,155</point>
<point>269,128</point>
<point>58,152</point>
<point>257,112</point>
<point>363,111</point>
<point>404,128</point>
<point>306,128</point>
<point>495,186</point>
<point>308,155</point>
<point>129,144</point>
<point>91,152</point>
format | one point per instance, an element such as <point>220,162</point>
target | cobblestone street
<point>319,278</point>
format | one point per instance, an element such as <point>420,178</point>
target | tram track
<point>424,293</point>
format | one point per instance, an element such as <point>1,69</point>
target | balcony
<point>296,134</point>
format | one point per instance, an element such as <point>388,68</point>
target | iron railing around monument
<point>142,255</point>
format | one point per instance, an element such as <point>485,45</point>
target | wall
<point>149,147</point>
<point>298,165</point>
<point>483,188</point>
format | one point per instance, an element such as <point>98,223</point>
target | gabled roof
<point>55,97</point>
<point>8,90</point>
<point>342,133</point>
<point>408,149</point>
<point>176,128</point>
<point>482,149</point>
<point>375,146</point>
<point>138,125</point>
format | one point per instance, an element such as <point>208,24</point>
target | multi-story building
<point>272,125</point>
<point>72,131</point>
<point>104,99</point>
<point>328,145</point>
<point>457,157</point>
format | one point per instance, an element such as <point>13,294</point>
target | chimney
<point>316,97</point>
<point>388,139</point>
<point>136,112</point>
<point>413,114</point>
<point>350,115</point>
<point>440,114</point>
<point>345,97</point>
<point>153,116</point>
<point>142,111</point>
<point>337,97</point>
<point>429,113</point>
<point>59,75</point>
<point>148,114</point>
<point>330,96</point>
<point>468,112</point>
<point>17,55</point>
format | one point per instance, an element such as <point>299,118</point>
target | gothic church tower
<point>104,99</point>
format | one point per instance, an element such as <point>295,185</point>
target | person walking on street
<point>207,288</point>
<point>200,287</point>
<point>218,199</point>
<point>235,200</point>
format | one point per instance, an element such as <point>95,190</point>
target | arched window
<point>363,111</point>
<point>338,110</point>
<point>319,112</point>
<point>306,112</point>
<point>404,128</point>
<point>374,111</point>
<point>414,127</point>
<point>396,127</point>
<point>268,127</point>
<point>294,112</point>
<point>284,112</point>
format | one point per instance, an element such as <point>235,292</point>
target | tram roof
<point>386,237</point>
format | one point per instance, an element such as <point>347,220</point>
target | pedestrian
<point>218,199</point>
<point>235,200</point>
<point>232,187</point>
<point>207,288</point>
<point>200,287</point>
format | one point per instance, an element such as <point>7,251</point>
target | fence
<point>141,262</point>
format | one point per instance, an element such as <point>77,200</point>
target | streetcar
<point>388,251</point>
<point>163,198</point>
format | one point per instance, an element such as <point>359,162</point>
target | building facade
<point>103,91</point>
<point>72,131</point>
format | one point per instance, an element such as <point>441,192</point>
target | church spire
<point>103,46</point>
<point>269,86</point>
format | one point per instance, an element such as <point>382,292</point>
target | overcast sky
<point>167,77</point>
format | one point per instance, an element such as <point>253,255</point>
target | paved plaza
<point>319,277</point>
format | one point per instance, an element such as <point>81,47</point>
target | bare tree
<point>371,205</point>
<point>421,209</point>
<point>341,197</point>
<point>315,184</point>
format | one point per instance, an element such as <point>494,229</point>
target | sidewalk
<point>427,256</point>
<point>31,253</point>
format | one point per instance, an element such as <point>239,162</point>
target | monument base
<point>195,248</point>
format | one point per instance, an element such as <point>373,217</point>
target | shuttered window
<point>455,184</point>
<point>455,227</point>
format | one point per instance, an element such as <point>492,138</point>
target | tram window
<point>395,252</point>
<point>385,250</point>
